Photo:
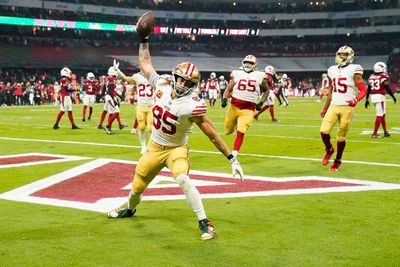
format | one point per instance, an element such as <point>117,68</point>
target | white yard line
<point>200,151</point>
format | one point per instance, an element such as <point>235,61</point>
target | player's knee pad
<point>341,135</point>
<point>139,184</point>
<point>183,181</point>
<point>149,127</point>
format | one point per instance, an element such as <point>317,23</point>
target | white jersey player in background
<point>245,87</point>
<point>346,89</point>
<point>176,109</point>
<point>145,102</point>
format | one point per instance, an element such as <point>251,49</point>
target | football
<point>145,25</point>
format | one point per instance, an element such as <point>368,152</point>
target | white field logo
<point>103,184</point>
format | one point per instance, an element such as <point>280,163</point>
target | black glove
<point>259,105</point>
<point>366,104</point>
<point>394,99</point>
<point>224,102</point>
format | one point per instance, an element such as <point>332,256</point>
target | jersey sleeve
<point>358,69</point>
<point>384,78</point>
<point>153,79</point>
<point>198,107</point>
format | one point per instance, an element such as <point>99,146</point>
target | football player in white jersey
<point>145,102</point>
<point>346,89</point>
<point>245,87</point>
<point>324,87</point>
<point>175,110</point>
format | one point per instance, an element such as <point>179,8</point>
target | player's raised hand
<point>116,65</point>
<point>236,168</point>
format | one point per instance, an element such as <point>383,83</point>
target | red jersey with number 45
<point>344,88</point>
<point>247,85</point>
<point>212,84</point>
<point>171,117</point>
<point>90,87</point>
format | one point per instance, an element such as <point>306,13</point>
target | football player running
<point>270,98</point>
<point>176,109</point>
<point>244,88</point>
<point>344,80</point>
<point>65,98</point>
<point>90,87</point>
<point>378,85</point>
<point>145,99</point>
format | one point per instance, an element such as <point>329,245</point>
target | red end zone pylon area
<point>104,184</point>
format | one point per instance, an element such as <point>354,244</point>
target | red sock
<point>84,112</point>
<point>378,120</point>
<point>111,119</point>
<point>103,117</point>
<point>272,112</point>
<point>326,138</point>
<point>90,112</point>
<point>383,121</point>
<point>135,124</point>
<point>262,110</point>
<point>119,119</point>
<point>71,117</point>
<point>238,141</point>
<point>340,149</point>
<point>59,116</point>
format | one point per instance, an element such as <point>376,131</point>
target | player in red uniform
<point>212,87</point>
<point>269,98</point>
<point>65,98</point>
<point>378,85</point>
<point>90,86</point>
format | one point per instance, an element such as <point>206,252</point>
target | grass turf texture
<point>334,229</point>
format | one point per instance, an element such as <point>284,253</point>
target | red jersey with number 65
<point>247,85</point>
<point>171,117</point>
<point>344,88</point>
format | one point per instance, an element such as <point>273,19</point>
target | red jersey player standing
<point>378,85</point>
<point>90,86</point>
<point>65,98</point>
<point>212,86</point>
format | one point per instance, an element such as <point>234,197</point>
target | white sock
<point>235,153</point>
<point>142,137</point>
<point>192,195</point>
<point>134,200</point>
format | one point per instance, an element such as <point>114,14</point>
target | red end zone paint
<point>108,180</point>
<point>25,159</point>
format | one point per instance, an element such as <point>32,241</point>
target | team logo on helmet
<point>66,72</point>
<point>340,60</point>
<point>190,73</point>
<point>270,70</point>
<point>380,67</point>
<point>249,63</point>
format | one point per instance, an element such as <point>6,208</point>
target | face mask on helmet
<point>90,76</point>
<point>380,67</point>
<point>66,72</point>
<point>344,56</point>
<point>249,63</point>
<point>185,78</point>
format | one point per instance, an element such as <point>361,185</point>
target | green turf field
<point>329,229</point>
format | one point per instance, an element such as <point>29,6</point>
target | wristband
<point>230,157</point>
<point>144,40</point>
